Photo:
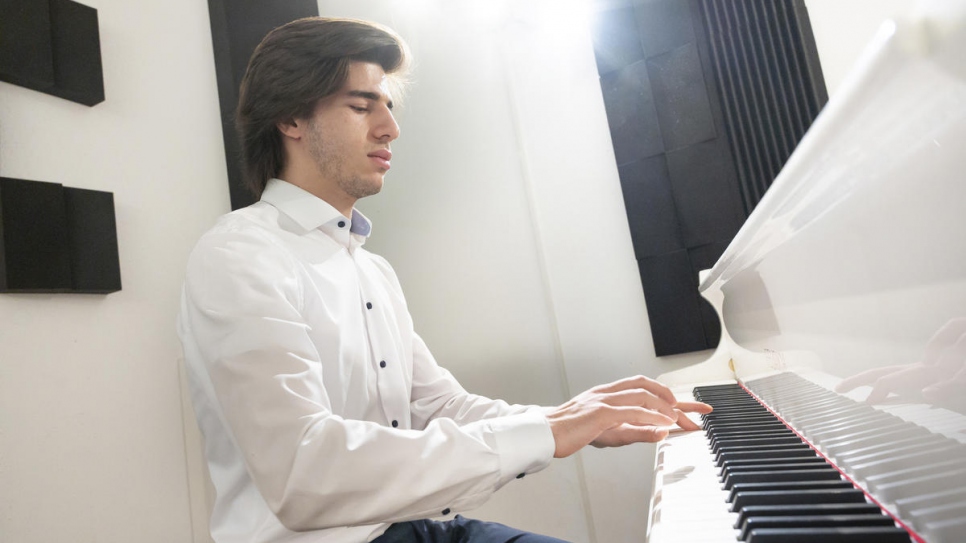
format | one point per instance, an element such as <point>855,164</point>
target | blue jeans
<point>458,530</point>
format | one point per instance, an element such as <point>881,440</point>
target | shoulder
<point>247,229</point>
<point>243,246</point>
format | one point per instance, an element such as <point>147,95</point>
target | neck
<point>308,179</point>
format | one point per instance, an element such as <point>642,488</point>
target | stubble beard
<point>330,159</point>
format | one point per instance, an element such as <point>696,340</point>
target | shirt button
<point>382,364</point>
<point>341,224</point>
<point>521,476</point>
<point>446,511</point>
<point>395,423</point>
<point>368,305</point>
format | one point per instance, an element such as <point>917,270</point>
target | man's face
<point>349,133</point>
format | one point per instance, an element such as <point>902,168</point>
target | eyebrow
<point>374,96</point>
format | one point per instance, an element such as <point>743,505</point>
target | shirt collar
<point>309,211</point>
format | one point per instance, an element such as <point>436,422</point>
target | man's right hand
<point>632,410</point>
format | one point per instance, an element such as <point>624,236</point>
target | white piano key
<point>689,505</point>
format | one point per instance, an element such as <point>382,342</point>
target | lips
<point>381,157</point>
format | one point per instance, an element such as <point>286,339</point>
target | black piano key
<point>730,411</point>
<point>756,441</point>
<point>744,426</point>
<point>814,460</point>
<point>744,421</point>
<point>730,433</point>
<point>732,408</point>
<point>806,522</point>
<point>752,458</point>
<point>787,485</point>
<point>802,497</point>
<point>752,511</point>
<point>732,414</point>
<point>871,534</point>
<point>761,458</point>
<point>776,432</point>
<point>791,452</point>
<point>739,447</point>
<point>729,402</point>
<point>787,466</point>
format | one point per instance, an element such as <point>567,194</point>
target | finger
<point>685,422</point>
<point>639,381</point>
<point>638,416</point>
<point>639,398</point>
<point>627,434</point>
<point>694,407</point>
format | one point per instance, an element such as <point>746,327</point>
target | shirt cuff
<point>525,444</point>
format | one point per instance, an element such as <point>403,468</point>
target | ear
<point>291,128</point>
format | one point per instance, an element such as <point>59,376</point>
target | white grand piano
<point>849,275</point>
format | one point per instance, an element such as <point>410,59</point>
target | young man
<point>326,418</point>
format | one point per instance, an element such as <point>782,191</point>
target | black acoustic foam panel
<point>57,239</point>
<point>663,25</point>
<point>52,46</point>
<point>92,232</point>
<point>616,43</point>
<point>26,57</point>
<point>35,250</point>
<point>651,212</point>
<point>631,115</point>
<point>681,97</point>
<point>77,53</point>
<point>237,26</point>
<point>673,303</point>
<point>705,192</point>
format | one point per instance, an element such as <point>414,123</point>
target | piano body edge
<point>853,264</point>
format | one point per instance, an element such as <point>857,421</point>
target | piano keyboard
<point>847,472</point>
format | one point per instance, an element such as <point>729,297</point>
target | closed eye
<point>359,109</point>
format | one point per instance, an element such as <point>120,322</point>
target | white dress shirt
<point>325,416</point>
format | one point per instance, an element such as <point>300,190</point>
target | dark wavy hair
<point>295,66</point>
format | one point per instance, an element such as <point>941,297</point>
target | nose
<point>386,128</point>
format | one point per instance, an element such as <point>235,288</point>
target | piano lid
<point>856,256</point>
<point>851,273</point>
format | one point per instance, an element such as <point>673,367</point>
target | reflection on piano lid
<point>850,275</point>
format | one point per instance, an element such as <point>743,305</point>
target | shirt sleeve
<point>242,310</point>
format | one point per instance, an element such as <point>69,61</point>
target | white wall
<point>503,181</point>
<point>504,218</point>
<point>91,434</point>
<point>842,30</point>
